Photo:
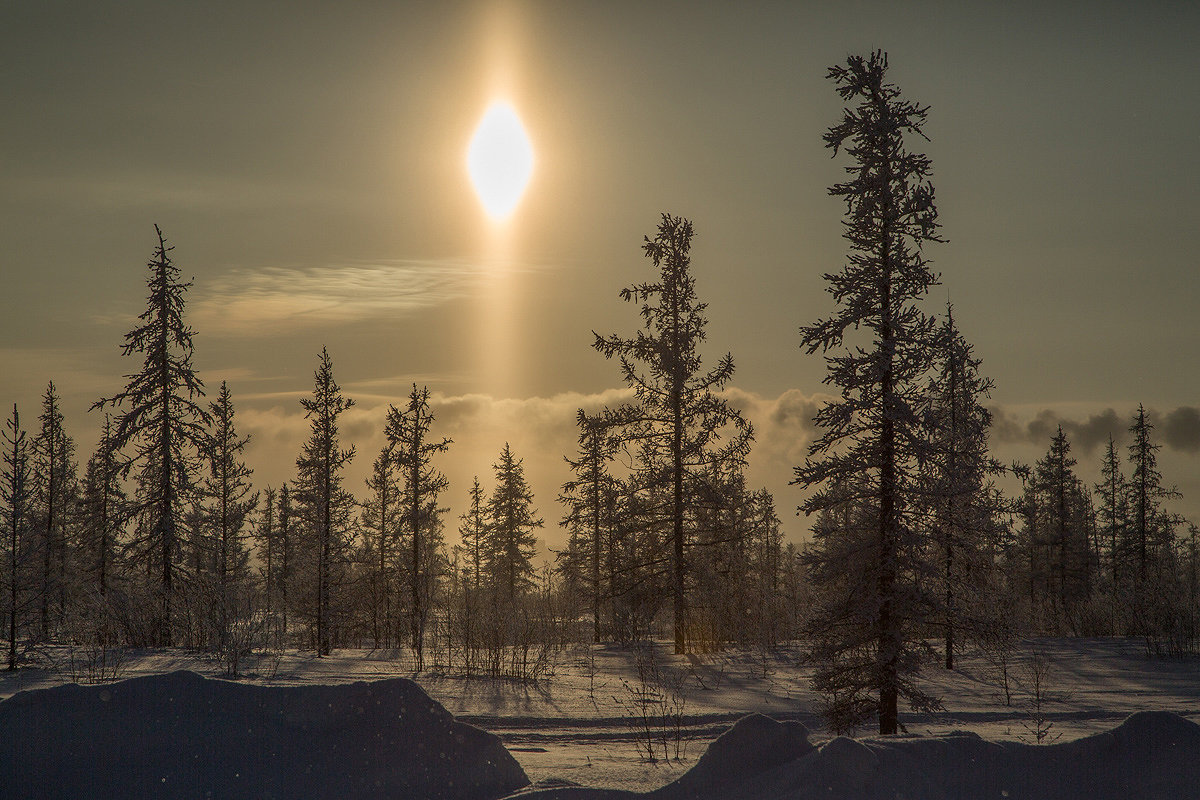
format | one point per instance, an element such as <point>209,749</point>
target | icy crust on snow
<point>180,735</point>
<point>1152,755</point>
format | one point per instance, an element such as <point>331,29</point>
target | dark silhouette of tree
<point>14,491</point>
<point>381,523</point>
<point>287,545</point>
<point>408,437</point>
<point>678,425</point>
<point>161,420</point>
<point>324,504</point>
<point>872,438</point>
<point>1113,514</point>
<point>511,522</point>
<point>474,533</point>
<point>958,469</point>
<point>104,510</point>
<point>267,538</point>
<point>585,497</point>
<point>1150,527</point>
<point>230,502</point>
<point>1058,537</point>
<point>55,490</point>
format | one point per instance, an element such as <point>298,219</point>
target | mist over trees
<point>922,547</point>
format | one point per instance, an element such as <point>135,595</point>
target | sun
<point>500,160</point>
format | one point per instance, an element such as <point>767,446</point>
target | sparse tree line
<point>916,554</point>
<point>165,541</point>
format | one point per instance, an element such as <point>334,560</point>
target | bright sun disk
<point>500,160</point>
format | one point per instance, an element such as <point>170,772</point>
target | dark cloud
<point>1178,429</point>
<point>1181,429</point>
<point>1093,433</point>
<point>1086,435</point>
<point>794,409</point>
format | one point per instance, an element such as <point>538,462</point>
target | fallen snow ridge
<point>182,736</point>
<point>1153,755</point>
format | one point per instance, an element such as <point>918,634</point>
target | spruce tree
<point>230,502</point>
<point>1150,527</point>
<point>474,533</point>
<point>1113,513</point>
<point>381,523</point>
<point>104,510</point>
<point>164,424</point>
<point>266,537</point>
<point>678,424</point>
<point>872,439</point>
<point>14,492</point>
<point>511,522</point>
<point>768,556</point>
<point>958,467</point>
<point>585,498</point>
<point>55,490</point>
<point>324,505</point>
<point>413,450</point>
<point>287,556</point>
<point>1058,525</point>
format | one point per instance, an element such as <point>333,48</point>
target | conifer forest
<point>919,545</point>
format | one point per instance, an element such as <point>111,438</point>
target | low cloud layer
<point>1178,429</point>
<point>541,431</point>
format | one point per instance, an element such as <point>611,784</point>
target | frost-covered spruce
<point>161,420</point>
<point>678,424</point>
<point>229,502</point>
<point>413,450</point>
<point>586,499</point>
<point>879,347</point>
<point>55,490</point>
<point>323,506</point>
<point>14,494</point>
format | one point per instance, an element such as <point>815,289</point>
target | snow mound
<point>180,735</point>
<point>755,744</point>
<point>1151,756</point>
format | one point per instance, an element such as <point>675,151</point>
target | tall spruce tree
<point>15,494</point>
<point>413,450</point>
<point>324,505</point>
<point>162,421</point>
<point>679,424</point>
<point>872,438</point>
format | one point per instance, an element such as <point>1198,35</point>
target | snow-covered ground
<point>575,728</point>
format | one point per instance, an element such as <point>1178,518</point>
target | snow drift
<point>1153,755</point>
<point>180,736</point>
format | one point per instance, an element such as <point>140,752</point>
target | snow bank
<point>1153,755</point>
<point>180,736</point>
<point>756,744</point>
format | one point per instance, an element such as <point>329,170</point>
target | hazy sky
<point>307,160</point>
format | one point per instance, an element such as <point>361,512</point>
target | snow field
<point>573,731</point>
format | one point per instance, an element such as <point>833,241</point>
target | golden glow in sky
<point>500,160</point>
